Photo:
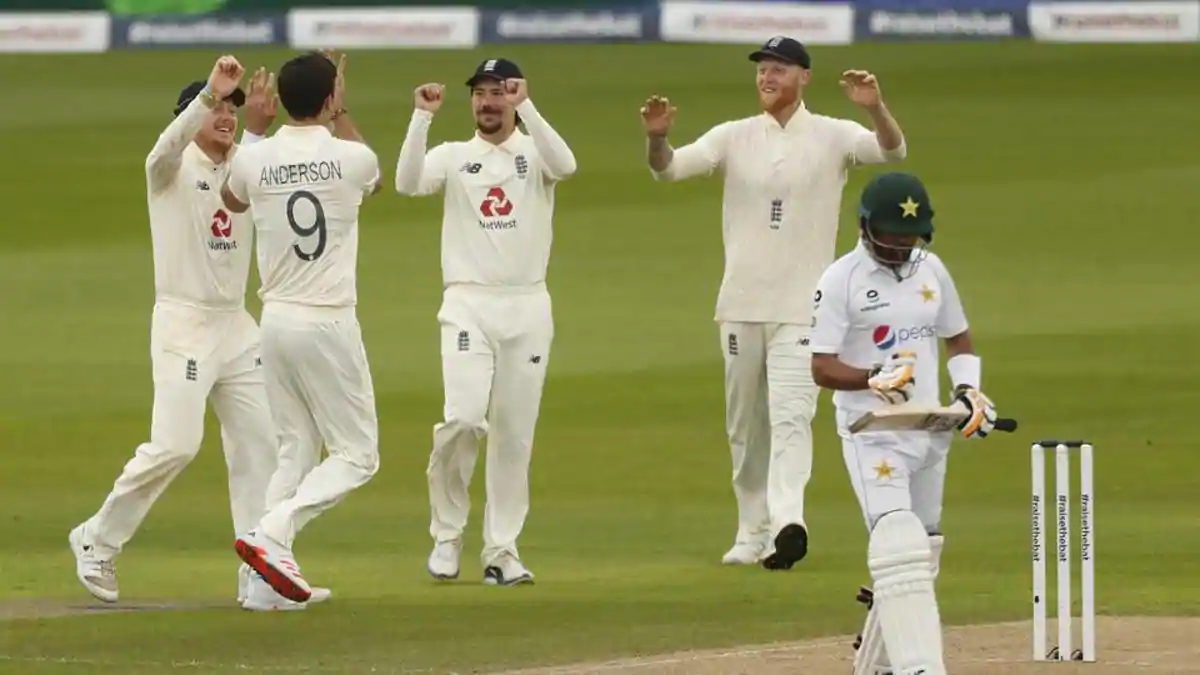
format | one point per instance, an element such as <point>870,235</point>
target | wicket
<point>1062,479</point>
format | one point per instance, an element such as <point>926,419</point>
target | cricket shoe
<point>443,561</point>
<point>506,571</point>
<point>98,576</point>
<point>247,577</point>
<point>745,553</point>
<point>262,598</point>
<point>791,545</point>
<point>275,563</point>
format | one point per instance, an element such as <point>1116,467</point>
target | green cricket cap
<point>897,203</point>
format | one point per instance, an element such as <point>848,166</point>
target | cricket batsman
<point>496,320</point>
<point>204,345</point>
<point>879,313</point>
<point>784,173</point>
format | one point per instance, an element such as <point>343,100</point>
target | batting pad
<point>900,559</point>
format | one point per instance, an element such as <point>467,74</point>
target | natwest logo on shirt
<point>222,230</point>
<point>886,337</point>
<point>496,205</point>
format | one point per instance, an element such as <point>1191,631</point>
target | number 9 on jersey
<point>315,228</point>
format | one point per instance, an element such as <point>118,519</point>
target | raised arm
<point>165,158</point>
<point>885,141</point>
<point>558,161</point>
<point>416,173</point>
<point>699,158</point>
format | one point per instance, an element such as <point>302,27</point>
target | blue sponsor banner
<point>616,24</point>
<point>204,30</point>
<point>941,19</point>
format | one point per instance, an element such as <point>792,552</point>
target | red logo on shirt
<point>221,226</point>
<point>496,204</point>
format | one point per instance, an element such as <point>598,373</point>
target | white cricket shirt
<point>201,250</point>
<point>499,199</point>
<point>305,187</point>
<point>863,315</point>
<point>783,193</point>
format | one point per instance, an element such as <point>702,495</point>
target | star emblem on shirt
<point>910,208</point>
<point>883,470</point>
<point>927,293</point>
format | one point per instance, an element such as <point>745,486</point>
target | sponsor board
<point>753,22</point>
<point>199,31</point>
<point>57,33</point>
<point>1115,21</point>
<point>948,24</point>
<point>615,25</point>
<point>384,28</point>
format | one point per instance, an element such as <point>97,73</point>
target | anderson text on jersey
<point>300,174</point>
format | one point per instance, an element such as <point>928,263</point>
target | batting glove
<point>982,412</point>
<point>894,380</point>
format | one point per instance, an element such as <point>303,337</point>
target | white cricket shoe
<point>246,577</point>
<point>443,561</point>
<point>745,553</point>
<point>275,563</point>
<point>260,597</point>
<point>98,576</point>
<point>506,571</point>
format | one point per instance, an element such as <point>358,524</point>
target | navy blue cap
<point>190,92</point>
<point>495,69</point>
<point>785,49</point>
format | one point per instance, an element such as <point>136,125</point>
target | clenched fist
<point>894,380</point>
<point>657,115</point>
<point>226,75</point>
<point>429,97</point>
<point>516,91</point>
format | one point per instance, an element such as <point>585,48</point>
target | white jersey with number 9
<point>304,187</point>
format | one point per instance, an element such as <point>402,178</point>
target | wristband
<point>965,369</point>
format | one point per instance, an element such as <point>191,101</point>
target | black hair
<point>305,83</point>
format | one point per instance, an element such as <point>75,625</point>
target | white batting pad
<point>900,560</point>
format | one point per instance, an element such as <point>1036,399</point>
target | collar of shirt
<point>199,157</point>
<point>876,268</point>
<point>305,130</point>
<point>794,124</point>
<point>511,145</point>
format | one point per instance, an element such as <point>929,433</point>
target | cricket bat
<point>920,418</point>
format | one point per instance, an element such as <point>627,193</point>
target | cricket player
<point>305,185</point>
<point>496,323</point>
<point>784,172</point>
<point>879,313</point>
<point>204,345</point>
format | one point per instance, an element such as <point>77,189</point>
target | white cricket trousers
<point>896,470</point>
<point>322,397</point>
<point>495,349</point>
<point>770,401</point>
<point>197,355</point>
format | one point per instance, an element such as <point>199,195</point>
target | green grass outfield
<point>1065,179</point>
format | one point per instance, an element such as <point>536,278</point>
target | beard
<point>782,99</point>
<point>489,127</point>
